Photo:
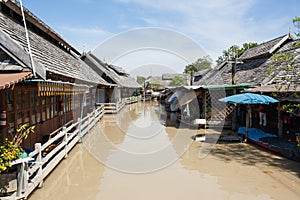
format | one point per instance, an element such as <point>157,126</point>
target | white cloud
<point>89,37</point>
<point>215,25</point>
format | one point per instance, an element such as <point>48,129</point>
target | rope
<point>28,42</point>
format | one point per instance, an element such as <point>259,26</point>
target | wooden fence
<point>45,157</point>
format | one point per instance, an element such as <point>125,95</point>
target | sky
<point>212,26</point>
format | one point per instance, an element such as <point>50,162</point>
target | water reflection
<point>145,145</point>
<point>166,164</point>
<point>77,177</point>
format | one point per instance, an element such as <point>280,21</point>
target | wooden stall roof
<point>9,79</point>
<point>275,88</point>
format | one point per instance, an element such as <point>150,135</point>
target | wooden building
<point>50,90</point>
<point>252,69</point>
<point>122,84</point>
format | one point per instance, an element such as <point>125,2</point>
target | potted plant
<point>11,150</point>
<point>298,140</point>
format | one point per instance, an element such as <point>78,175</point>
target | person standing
<point>262,116</point>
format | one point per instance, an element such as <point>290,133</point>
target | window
<point>33,94</point>
<point>26,99</point>
<point>10,100</point>
<point>19,99</point>
<point>33,117</point>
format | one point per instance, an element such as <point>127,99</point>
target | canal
<point>140,154</point>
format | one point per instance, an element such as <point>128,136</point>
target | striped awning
<point>9,79</point>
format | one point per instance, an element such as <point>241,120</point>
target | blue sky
<point>214,25</point>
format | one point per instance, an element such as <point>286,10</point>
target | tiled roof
<point>265,48</point>
<point>278,73</point>
<point>15,5</point>
<point>171,76</point>
<point>111,73</point>
<point>254,71</point>
<point>53,58</point>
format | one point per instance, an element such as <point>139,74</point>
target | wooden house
<point>49,91</point>
<point>252,70</point>
<point>122,84</point>
<point>284,83</point>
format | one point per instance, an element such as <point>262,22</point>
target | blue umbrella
<point>248,98</point>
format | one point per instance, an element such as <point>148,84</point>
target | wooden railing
<point>47,156</point>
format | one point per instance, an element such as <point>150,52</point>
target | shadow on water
<point>251,154</point>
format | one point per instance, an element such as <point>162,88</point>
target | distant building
<point>122,84</point>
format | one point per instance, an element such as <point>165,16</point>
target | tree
<point>284,65</point>
<point>234,51</point>
<point>200,64</point>
<point>156,86</point>
<point>140,80</point>
<point>177,81</point>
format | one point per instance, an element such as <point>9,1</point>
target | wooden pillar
<point>3,107</point>
<point>280,123</point>
<point>248,113</point>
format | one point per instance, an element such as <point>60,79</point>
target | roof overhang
<point>9,79</point>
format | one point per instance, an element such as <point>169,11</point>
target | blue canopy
<point>172,98</point>
<point>249,98</point>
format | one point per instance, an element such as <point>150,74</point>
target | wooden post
<point>64,129</point>
<point>26,177</point>
<point>20,179</point>
<point>79,132</point>
<point>280,134</point>
<point>38,147</point>
<point>247,122</point>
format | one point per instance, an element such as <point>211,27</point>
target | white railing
<point>47,156</point>
<point>113,108</point>
<point>133,99</point>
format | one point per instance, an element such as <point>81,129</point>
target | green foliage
<point>234,51</point>
<point>177,81</point>
<point>200,64</point>
<point>156,86</point>
<point>296,22</point>
<point>298,141</point>
<point>284,64</point>
<point>11,150</point>
<point>140,80</point>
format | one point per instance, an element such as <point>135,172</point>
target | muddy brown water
<point>139,154</point>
